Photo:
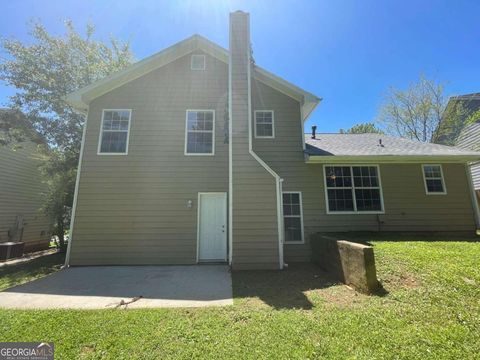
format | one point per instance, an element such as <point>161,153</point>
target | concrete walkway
<point>101,287</point>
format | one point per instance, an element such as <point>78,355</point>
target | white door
<point>212,227</point>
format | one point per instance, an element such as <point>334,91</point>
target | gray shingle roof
<point>369,145</point>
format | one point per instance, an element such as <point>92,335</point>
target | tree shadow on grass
<point>20,273</point>
<point>366,237</point>
<point>282,289</point>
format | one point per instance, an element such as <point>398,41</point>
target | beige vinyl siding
<point>407,207</point>
<point>21,194</point>
<point>255,232</point>
<point>132,209</point>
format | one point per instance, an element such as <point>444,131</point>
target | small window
<point>264,124</point>
<point>198,62</point>
<point>114,132</point>
<point>293,217</point>
<point>353,189</point>
<point>200,132</point>
<point>434,182</point>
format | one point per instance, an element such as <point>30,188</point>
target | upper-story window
<point>353,189</point>
<point>434,182</point>
<point>114,132</point>
<point>200,132</point>
<point>197,62</point>
<point>264,124</point>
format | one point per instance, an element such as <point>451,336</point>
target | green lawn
<point>430,310</point>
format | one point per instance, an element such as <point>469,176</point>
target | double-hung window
<point>200,132</point>
<point>434,182</point>
<point>353,189</point>
<point>293,217</point>
<point>264,124</point>
<point>114,132</point>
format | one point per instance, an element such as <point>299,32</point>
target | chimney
<point>314,130</point>
<point>239,71</point>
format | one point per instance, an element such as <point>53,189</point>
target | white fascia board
<point>416,159</point>
<point>307,100</point>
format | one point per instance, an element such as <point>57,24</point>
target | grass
<point>430,310</point>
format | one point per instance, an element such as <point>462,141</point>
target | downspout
<point>75,195</point>
<point>278,180</point>
<point>473,196</point>
<point>230,167</point>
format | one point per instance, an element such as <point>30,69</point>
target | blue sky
<point>347,52</point>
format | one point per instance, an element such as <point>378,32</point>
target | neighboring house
<point>456,132</point>
<point>196,154</point>
<point>469,139</point>
<point>458,111</point>
<point>21,219</point>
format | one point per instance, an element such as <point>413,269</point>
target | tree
<point>416,112</point>
<point>43,72</point>
<point>473,118</point>
<point>366,128</point>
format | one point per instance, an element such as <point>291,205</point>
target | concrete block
<point>351,263</point>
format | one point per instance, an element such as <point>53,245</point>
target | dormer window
<point>198,62</point>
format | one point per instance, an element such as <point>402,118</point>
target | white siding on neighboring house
<point>469,138</point>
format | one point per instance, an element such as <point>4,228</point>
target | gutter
<point>414,159</point>
<point>278,179</point>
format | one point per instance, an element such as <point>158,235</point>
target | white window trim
<point>100,136</point>
<point>273,124</point>
<point>295,216</point>
<point>204,62</point>
<point>356,212</point>
<point>444,192</point>
<point>206,131</point>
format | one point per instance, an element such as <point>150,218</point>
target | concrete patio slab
<point>101,287</point>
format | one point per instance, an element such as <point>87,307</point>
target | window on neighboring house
<point>293,217</point>
<point>197,62</point>
<point>200,132</point>
<point>434,183</point>
<point>114,132</point>
<point>353,189</point>
<point>264,124</point>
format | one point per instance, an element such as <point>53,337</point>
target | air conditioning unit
<point>11,250</point>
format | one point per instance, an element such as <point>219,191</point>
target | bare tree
<point>416,112</point>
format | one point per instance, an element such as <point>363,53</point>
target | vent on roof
<point>314,129</point>
<point>198,62</point>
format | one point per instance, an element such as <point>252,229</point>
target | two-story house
<point>196,154</point>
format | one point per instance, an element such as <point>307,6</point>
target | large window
<point>200,132</point>
<point>353,189</point>
<point>433,177</point>
<point>293,217</point>
<point>114,132</point>
<point>264,124</point>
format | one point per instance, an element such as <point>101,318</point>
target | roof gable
<point>81,98</point>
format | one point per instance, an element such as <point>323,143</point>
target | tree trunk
<point>61,233</point>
